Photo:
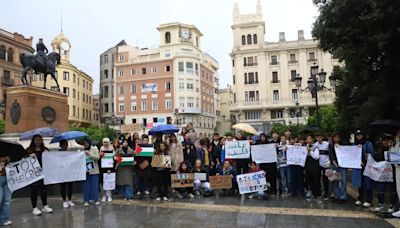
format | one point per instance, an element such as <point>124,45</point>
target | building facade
<point>96,110</point>
<point>264,89</point>
<point>75,83</point>
<point>226,99</point>
<point>11,46</point>
<point>174,83</point>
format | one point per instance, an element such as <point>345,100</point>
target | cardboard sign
<point>252,182</point>
<point>109,181</point>
<point>108,160</point>
<point>63,166</point>
<point>378,171</point>
<point>296,155</point>
<point>237,149</point>
<point>200,176</point>
<point>182,180</point>
<point>392,157</point>
<point>23,173</point>
<point>221,182</point>
<point>349,156</point>
<point>161,161</point>
<point>264,153</point>
<point>129,128</point>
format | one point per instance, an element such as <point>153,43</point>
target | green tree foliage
<point>329,118</point>
<point>282,127</point>
<point>2,126</point>
<point>365,35</point>
<point>96,133</point>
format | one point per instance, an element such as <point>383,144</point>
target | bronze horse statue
<point>30,61</point>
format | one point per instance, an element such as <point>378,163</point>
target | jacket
<point>201,156</point>
<point>176,152</point>
<point>357,174</point>
<point>95,156</point>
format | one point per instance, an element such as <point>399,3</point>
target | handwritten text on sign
<point>349,156</point>
<point>109,181</point>
<point>378,171</point>
<point>237,149</point>
<point>182,180</point>
<point>252,182</point>
<point>263,153</point>
<point>296,155</point>
<point>221,182</point>
<point>23,173</point>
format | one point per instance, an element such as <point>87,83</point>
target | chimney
<point>300,35</point>
<point>282,37</point>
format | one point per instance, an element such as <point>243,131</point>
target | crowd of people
<point>191,154</point>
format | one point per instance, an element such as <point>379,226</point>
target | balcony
<point>274,63</point>
<point>7,82</point>
<point>275,81</point>
<point>312,60</point>
<point>251,83</point>
<point>250,64</point>
<point>292,61</point>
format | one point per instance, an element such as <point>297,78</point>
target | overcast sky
<point>93,26</point>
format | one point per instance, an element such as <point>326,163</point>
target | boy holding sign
<point>313,172</point>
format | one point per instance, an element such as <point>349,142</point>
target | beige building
<point>11,46</point>
<point>264,89</point>
<point>75,83</point>
<point>226,100</point>
<point>96,110</point>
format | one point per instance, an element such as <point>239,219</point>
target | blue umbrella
<point>69,135</point>
<point>43,131</point>
<point>163,129</point>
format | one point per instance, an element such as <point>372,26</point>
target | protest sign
<point>182,180</point>
<point>378,171</point>
<point>107,161</point>
<point>349,156</point>
<point>237,149</point>
<point>147,150</point>
<point>161,161</point>
<point>264,153</point>
<point>221,182</point>
<point>23,173</point>
<point>129,128</point>
<point>126,160</point>
<point>63,166</point>
<point>251,182</point>
<point>296,155</point>
<point>392,157</point>
<point>109,181</point>
<point>200,176</point>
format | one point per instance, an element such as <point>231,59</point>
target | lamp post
<point>315,84</point>
<point>298,112</point>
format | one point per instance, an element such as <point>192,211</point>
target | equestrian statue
<point>40,63</point>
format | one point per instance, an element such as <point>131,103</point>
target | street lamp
<point>316,84</point>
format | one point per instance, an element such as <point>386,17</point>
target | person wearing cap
<point>324,162</point>
<point>363,183</point>
<point>91,184</point>
<point>66,186</point>
<point>396,148</point>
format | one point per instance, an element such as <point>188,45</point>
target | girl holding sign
<point>161,171</point>
<point>125,170</point>
<point>107,166</point>
<point>339,186</point>
<point>254,169</point>
<point>313,172</point>
<point>67,186</point>
<point>5,193</point>
<point>91,184</point>
<point>201,184</point>
<point>182,192</point>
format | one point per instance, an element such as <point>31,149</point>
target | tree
<point>328,118</point>
<point>279,127</point>
<point>365,35</point>
<point>96,133</point>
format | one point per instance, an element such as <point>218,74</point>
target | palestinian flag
<point>144,150</point>
<point>125,160</point>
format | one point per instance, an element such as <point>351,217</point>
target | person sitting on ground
<point>226,170</point>
<point>201,185</point>
<point>184,192</point>
<point>253,169</point>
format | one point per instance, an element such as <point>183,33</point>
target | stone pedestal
<point>32,107</point>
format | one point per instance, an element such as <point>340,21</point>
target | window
<point>105,58</point>
<point>244,61</point>
<point>168,104</point>
<point>167,86</point>
<point>234,80</point>
<point>121,90</point>
<point>73,93</point>
<point>181,84</point>
<point>189,86</point>
<point>276,114</point>
<point>251,78</point>
<point>311,56</point>
<point>167,37</point>
<point>250,61</point>
<point>197,102</point>
<point>197,41</point>
<point>181,68</point>
<point>155,119</point>
<point>105,75</point>
<point>275,77</point>
<point>3,52</point>
<point>121,58</point>
<point>256,115</point>
<point>144,71</point>
<point>73,110</point>
<point>154,70</point>
<point>66,76</point>
<point>106,107</point>
<point>83,113</point>
<point>190,102</point>
<point>105,91</point>
<point>10,55</point>
<point>293,75</point>
<point>292,58</point>
<point>133,88</point>
<point>251,96</point>
<point>234,97</point>
<point>133,71</point>
<point>275,95</point>
<point>154,104</point>
<point>255,39</point>
<point>144,121</point>
<point>66,91</point>
<point>182,102</point>
<point>248,39</point>
<point>167,68</point>
<point>243,40</point>
<point>189,67</point>
<point>295,95</point>
<point>274,60</point>
<point>83,97</point>
<point>77,96</point>
<point>196,68</point>
<point>144,105</point>
<point>134,121</point>
<point>121,107</point>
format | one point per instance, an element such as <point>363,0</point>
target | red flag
<point>138,149</point>
<point>119,159</point>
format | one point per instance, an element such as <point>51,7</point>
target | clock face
<point>185,33</point>
<point>64,46</point>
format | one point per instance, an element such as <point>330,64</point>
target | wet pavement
<point>222,211</point>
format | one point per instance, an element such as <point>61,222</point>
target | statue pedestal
<point>32,107</point>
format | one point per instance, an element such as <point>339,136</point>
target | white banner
<point>264,153</point>
<point>109,181</point>
<point>392,157</point>
<point>252,182</point>
<point>237,149</point>
<point>64,166</point>
<point>378,171</point>
<point>149,87</point>
<point>349,156</point>
<point>296,155</point>
<point>23,173</point>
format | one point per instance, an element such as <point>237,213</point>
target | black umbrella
<point>13,150</point>
<point>311,130</point>
<point>385,126</point>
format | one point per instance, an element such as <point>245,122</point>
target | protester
<point>269,168</point>
<point>5,193</point>
<point>204,155</point>
<point>296,175</point>
<point>215,150</point>
<point>222,141</point>
<point>184,192</point>
<point>143,171</point>
<point>313,172</point>
<point>339,186</point>
<point>106,149</point>
<point>125,171</point>
<point>201,185</point>
<point>228,170</point>
<point>176,152</point>
<point>253,169</point>
<point>161,174</point>
<point>324,162</point>
<point>191,132</point>
<point>189,153</point>
<point>66,186</point>
<point>396,148</point>
<point>284,171</point>
<point>91,184</point>
<point>36,149</point>
<point>275,137</point>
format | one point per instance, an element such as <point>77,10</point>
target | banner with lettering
<point>264,153</point>
<point>237,149</point>
<point>296,155</point>
<point>378,171</point>
<point>349,156</point>
<point>392,157</point>
<point>252,182</point>
<point>23,173</point>
<point>221,182</point>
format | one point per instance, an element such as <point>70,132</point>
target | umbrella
<point>245,127</point>
<point>13,150</point>
<point>385,126</point>
<point>311,129</point>
<point>43,131</point>
<point>69,135</point>
<point>163,129</point>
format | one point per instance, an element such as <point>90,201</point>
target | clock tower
<point>61,44</point>
<point>179,33</point>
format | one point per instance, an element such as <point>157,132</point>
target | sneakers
<point>391,209</point>
<point>165,198</point>
<point>379,208</point>
<point>138,193</point>
<point>104,199</point>
<point>130,199</point>
<point>396,214</point>
<point>191,195</point>
<point>358,203</point>
<point>196,193</point>
<point>47,209</point>
<point>179,195</point>
<point>86,204</point>
<point>97,203</point>
<point>366,204</point>
<point>158,198</point>
<point>65,204</point>
<point>7,223</point>
<point>251,196</point>
<point>70,203</point>
<point>146,192</point>
<point>109,199</point>
<point>309,194</point>
<point>319,200</point>
<point>36,211</point>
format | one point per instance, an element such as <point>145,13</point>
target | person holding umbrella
<point>67,186</point>
<point>91,184</point>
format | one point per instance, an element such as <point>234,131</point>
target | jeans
<point>5,200</point>
<point>64,187</point>
<point>127,191</point>
<point>271,174</point>
<point>380,192</point>
<point>37,187</point>
<point>339,186</point>
<point>142,183</point>
<point>365,192</point>
<point>91,188</point>
<point>198,185</point>
<point>297,179</point>
<point>325,182</point>
<point>162,178</point>
<point>285,181</point>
